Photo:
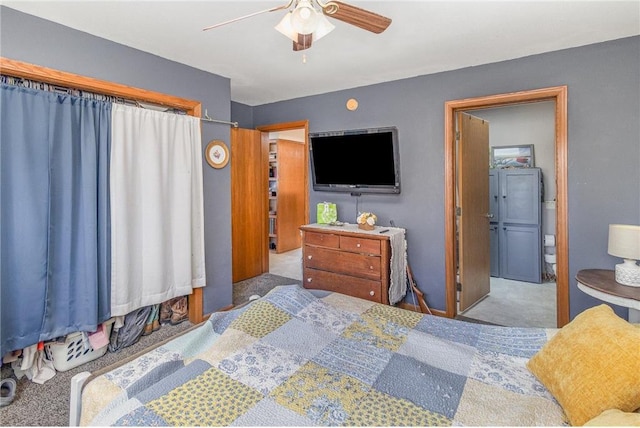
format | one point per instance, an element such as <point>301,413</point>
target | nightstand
<point>601,284</point>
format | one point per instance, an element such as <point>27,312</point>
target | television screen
<point>356,161</point>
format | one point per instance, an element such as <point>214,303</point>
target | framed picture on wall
<point>512,156</point>
<point>217,154</point>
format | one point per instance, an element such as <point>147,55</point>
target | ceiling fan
<point>304,23</point>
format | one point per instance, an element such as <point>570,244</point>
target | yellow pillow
<point>591,365</point>
<point>615,418</point>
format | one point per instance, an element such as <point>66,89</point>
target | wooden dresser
<point>346,261</point>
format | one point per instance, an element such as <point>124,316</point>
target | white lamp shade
<point>624,241</point>
<point>286,28</point>
<point>324,27</point>
<point>304,18</point>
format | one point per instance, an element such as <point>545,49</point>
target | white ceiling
<point>425,37</point>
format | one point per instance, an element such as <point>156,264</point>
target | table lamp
<point>624,242</point>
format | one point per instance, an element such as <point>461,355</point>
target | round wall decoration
<point>217,154</point>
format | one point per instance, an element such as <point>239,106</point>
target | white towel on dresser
<point>398,278</point>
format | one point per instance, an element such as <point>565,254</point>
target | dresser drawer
<point>360,265</point>
<point>346,260</point>
<point>360,245</point>
<point>356,287</point>
<point>322,239</point>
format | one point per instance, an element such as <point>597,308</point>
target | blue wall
<point>27,38</point>
<point>243,114</point>
<point>604,148</point>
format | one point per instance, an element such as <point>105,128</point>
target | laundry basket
<point>72,352</point>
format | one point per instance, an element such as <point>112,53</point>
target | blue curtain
<point>54,215</point>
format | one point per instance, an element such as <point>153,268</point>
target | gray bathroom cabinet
<point>515,203</point>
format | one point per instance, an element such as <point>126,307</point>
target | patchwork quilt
<point>300,358</point>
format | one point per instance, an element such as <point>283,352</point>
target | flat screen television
<point>356,161</point>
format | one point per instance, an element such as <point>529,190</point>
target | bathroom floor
<point>517,304</point>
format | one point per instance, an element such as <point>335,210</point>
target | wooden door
<point>473,213</point>
<point>291,194</point>
<point>248,206</point>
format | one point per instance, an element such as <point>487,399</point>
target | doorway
<point>521,212</point>
<point>288,207</point>
<point>266,212</point>
<point>559,96</point>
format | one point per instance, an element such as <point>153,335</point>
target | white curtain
<point>157,221</point>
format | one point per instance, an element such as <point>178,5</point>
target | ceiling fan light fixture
<point>285,27</point>
<point>304,18</point>
<point>324,27</point>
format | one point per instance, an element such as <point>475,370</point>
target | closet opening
<point>50,76</point>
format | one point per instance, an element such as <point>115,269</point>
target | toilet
<point>551,259</point>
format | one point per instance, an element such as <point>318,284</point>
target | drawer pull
<point>358,245</point>
<point>309,257</point>
<point>370,267</point>
<point>309,279</point>
<point>372,293</point>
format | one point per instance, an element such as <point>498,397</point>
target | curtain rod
<point>206,118</point>
<point>33,84</point>
<point>81,93</point>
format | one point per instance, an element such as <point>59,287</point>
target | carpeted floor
<point>474,321</point>
<point>259,285</point>
<point>48,404</point>
<point>517,304</point>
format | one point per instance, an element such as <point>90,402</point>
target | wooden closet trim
<point>25,70</point>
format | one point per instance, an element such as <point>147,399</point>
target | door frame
<point>285,126</point>
<point>557,94</point>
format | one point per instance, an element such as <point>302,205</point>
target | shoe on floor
<point>7,391</point>
<point>148,329</point>
<point>179,311</point>
<point>165,311</point>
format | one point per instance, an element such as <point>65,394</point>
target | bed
<point>301,357</point>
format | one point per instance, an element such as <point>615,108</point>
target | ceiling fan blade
<point>304,42</point>
<point>240,18</point>
<point>359,17</point>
